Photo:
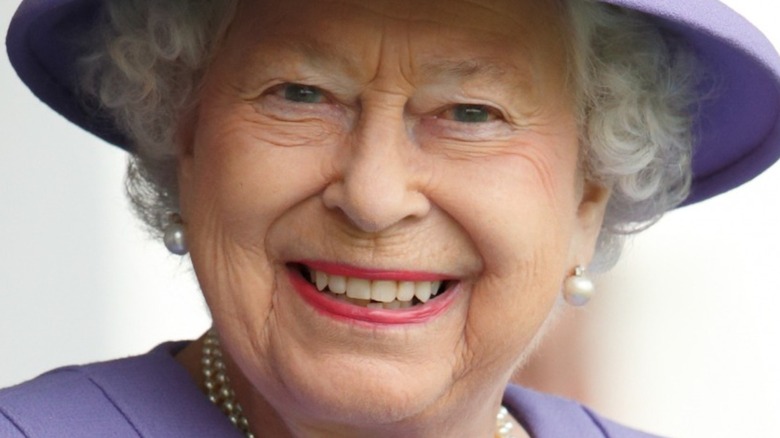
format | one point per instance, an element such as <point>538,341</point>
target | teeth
<point>379,294</point>
<point>337,284</point>
<point>321,280</point>
<point>395,304</point>
<point>422,290</point>
<point>405,291</point>
<point>384,291</point>
<point>359,288</point>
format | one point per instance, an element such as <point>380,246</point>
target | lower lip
<point>329,306</point>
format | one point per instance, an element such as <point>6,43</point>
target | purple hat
<point>738,131</point>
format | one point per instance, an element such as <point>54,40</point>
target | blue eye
<point>303,93</point>
<point>469,113</point>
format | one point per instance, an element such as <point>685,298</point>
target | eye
<point>300,93</point>
<point>472,113</point>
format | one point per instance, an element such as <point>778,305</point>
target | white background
<point>681,340</point>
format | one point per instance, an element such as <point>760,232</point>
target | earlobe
<point>184,144</point>
<point>184,170</point>
<point>593,203</point>
<point>590,217</point>
<point>184,137</point>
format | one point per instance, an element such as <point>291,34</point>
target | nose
<point>378,184</point>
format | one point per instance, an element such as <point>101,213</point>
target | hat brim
<point>737,129</point>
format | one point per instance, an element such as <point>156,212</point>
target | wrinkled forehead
<point>492,16</point>
<point>491,37</point>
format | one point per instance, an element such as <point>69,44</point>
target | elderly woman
<point>385,202</point>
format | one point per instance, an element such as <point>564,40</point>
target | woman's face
<point>384,147</point>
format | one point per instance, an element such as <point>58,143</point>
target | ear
<point>590,217</point>
<point>184,140</point>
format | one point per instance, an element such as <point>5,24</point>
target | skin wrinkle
<point>490,68</point>
<point>369,249</point>
<point>386,242</point>
<point>227,267</point>
<point>482,70</point>
<point>276,53</point>
<point>271,204</point>
<point>377,142</point>
<point>275,129</point>
<point>417,14</point>
<point>629,185</point>
<point>342,60</point>
<point>471,341</point>
<point>320,53</point>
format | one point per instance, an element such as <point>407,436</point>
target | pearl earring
<point>174,236</point>
<point>578,289</point>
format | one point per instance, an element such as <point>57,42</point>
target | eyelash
<point>285,91</point>
<point>465,110</point>
<point>486,115</point>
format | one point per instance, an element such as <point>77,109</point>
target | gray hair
<point>634,86</point>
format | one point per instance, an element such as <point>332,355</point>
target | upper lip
<point>332,268</point>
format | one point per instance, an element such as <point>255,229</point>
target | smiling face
<point>392,150</point>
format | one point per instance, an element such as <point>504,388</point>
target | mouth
<point>386,291</point>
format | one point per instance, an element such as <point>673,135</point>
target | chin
<point>358,391</point>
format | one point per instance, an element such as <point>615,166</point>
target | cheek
<point>519,211</point>
<point>512,205</point>
<point>240,184</point>
<point>252,169</point>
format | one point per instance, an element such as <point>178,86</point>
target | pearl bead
<point>578,290</point>
<point>175,239</point>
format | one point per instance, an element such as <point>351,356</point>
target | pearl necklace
<point>220,393</point>
<point>217,384</point>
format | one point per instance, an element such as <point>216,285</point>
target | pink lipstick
<point>436,299</point>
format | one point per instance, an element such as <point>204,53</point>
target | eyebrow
<point>324,53</point>
<point>464,69</point>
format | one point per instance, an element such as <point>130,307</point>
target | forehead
<point>441,36</point>
<point>490,16</point>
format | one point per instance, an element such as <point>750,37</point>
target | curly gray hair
<point>635,91</point>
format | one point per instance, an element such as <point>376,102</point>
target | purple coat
<point>153,396</point>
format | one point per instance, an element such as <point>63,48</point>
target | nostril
<point>372,207</point>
